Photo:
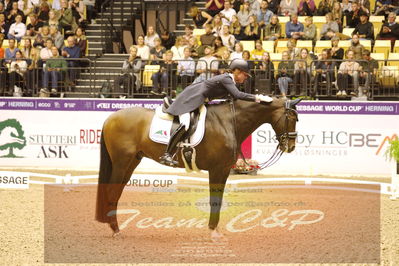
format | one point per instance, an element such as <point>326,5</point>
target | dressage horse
<point>125,141</point>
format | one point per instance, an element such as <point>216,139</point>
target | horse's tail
<point>103,181</point>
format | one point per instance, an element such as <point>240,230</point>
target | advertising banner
<point>335,138</point>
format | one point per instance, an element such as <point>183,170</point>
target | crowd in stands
<point>227,25</point>
<point>41,42</point>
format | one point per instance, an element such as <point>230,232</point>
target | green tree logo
<point>11,137</point>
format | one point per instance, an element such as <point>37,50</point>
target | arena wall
<point>335,138</point>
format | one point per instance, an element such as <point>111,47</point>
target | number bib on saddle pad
<point>162,123</point>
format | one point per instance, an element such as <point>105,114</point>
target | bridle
<point>284,137</point>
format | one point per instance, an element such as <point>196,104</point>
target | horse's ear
<point>295,102</point>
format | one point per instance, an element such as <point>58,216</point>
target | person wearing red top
<point>213,7</point>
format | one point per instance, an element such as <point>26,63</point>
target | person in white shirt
<point>150,37</point>
<point>237,54</point>
<point>17,29</point>
<point>227,13</point>
<point>18,69</point>
<point>228,39</point>
<point>178,48</point>
<point>142,50</point>
<point>207,65</point>
<point>186,68</point>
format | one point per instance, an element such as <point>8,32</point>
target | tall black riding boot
<point>176,137</point>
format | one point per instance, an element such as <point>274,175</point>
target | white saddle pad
<point>162,123</point>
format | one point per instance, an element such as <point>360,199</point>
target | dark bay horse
<point>125,141</point>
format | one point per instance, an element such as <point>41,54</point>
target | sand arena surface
<point>29,239</point>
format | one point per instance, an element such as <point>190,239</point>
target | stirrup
<point>166,159</point>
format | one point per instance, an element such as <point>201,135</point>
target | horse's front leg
<point>217,182</point>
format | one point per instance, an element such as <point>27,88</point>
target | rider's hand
<point>263,98</point>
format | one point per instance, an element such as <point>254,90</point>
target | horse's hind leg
<point>122,170</point>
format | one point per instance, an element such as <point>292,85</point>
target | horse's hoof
<point>116,234</point>
<point>217,237</point>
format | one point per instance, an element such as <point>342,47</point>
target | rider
<point>196,94</point>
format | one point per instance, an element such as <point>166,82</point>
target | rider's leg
<point>176,137</point>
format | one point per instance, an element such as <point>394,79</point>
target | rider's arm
<point>228,83</point>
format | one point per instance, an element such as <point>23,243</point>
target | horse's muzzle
<point>291,149</point>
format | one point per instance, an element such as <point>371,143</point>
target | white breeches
<point>185,120</point>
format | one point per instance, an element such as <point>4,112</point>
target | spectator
<point>273,29</point>
<point>365,6</point>
<point>167,70</point>
<point>78,9</point>
<point>353,17</point>
<point>207,65</point>
<point>34,27</point>
<point>235,27</point>
<point>346,7</point>
<point>227,13</point>
<point>389,30</point>
<point>274,6</point>
<point>302,72</point>
<point>244,14</point>
<point>325,72</point>
<point>81,41</point>
<point>285,73</point>
<point>66,20</point>
<point>8,4</point>
<point>45,53</point>
<point>237,54</point>
<point>264,14</point>
<point>168,39</point>
<point>200,18</point>
<point>188,33</point>
<point>330,25</point>
<point>178,49</point>
<point>254,6</point>
<point>324,8</point>
<point>288,8</point>
<point>265,71</point>
<point>348,72</point>
<point>56,68</point>
<point>213,7</point>
<point>228,39</point>
<point>310,30</point>
<point>157,52</point>
<point>130,74</point>
<point>294,28</point>
<point>53,19</point>
<point>72,53</point>
<point>42,37</point>
<point>11,51</point>
<point>12,14</point>
<point>17,30</point>
<point>2,9</point>
<point>337,15</point>
<point>207,38</point>
<point>356,47</point>
<point>337,53</point>
<point>43,15</point>
<point>368,73</point>
<point>31,73</point>
<point>364,29</point>
<point>224,63</point>
<point>186,68</point>
<point>194,47</point>
<point>219,48</point>
<point>257,53</point>
<point>217,25</point>
<point>58,38</point>
<point>246,55</point>
<point>383,7</point>
<point>293,51</point>
<point>27,48</point>
<point>307,8</point>
<point>252,30</point>
<point>142,50</point>
<point>236,4</point>
<point>4,26</point>
<point>1,52</point>
<point>150,37</point>
<point>18,69</point>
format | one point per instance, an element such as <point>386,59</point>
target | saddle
<point>164,124</point>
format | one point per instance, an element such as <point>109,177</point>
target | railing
<point>311,82</point>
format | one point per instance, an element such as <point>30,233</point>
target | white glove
<point>263,98</point>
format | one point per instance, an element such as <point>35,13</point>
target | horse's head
<point>284,123</point>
